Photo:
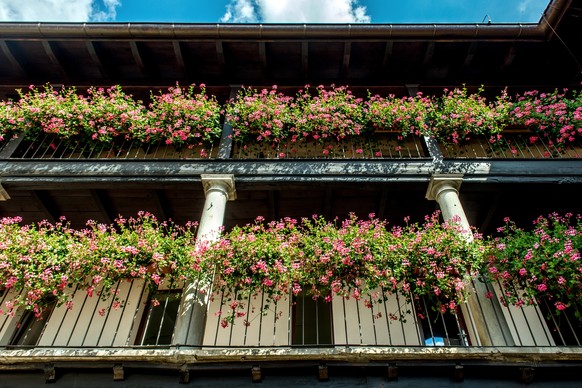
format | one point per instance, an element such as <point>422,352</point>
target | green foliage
<point>539,264</point>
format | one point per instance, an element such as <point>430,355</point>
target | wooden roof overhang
<point>145,56</point>
<point>142,56</point>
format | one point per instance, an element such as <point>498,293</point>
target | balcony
<point>515,145</point>
<point>129,320</point>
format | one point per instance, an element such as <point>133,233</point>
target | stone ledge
<point>83,357</point>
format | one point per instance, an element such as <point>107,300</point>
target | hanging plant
<point>406,115</point>
<point>458,115</point>
<point>10,119</point>
<point>46,260</point>
<point>540,264</point>
<point>55,112</point>
<point>181,117</point>
<point>264,116</point>
<point>551,116</point>
<point>351,259</point>
<point>333,113</point>
<point>186,117</point>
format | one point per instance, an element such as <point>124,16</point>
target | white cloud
<point>296,11</point>
<point>58,10</point>
<point>107,13</point>
<point>240,11</point>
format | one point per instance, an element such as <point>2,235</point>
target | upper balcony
<point>325,123</point>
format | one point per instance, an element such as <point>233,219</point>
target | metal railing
<point>127,319</point>
<point>46,146</point>
<point>378,146</point>
<point>518,145</point>
<point>301,321</point>
<point>513,145</point>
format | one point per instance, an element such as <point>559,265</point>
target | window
<point>312,321</point>
<point>30,327</point>
<point>159,318</point>
<point>441,329</point>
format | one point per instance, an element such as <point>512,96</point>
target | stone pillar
<point>189,329</point>
<point>486,314</point>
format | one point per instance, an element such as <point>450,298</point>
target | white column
<point>486,314</point>
<point>189,329</point>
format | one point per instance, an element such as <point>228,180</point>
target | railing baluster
<point>92,316</point>
<point>136,312</point>
<point>387,317</point>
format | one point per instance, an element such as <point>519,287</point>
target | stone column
<point>190,323</point>
<point>486,314</point>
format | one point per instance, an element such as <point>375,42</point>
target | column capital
<point>439,183</point>
<point>4,196</point>
<point>222,182</point>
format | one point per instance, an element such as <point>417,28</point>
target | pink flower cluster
<point>351,259</point>
<point>179,116</point>
<point>541,264</point>
<point>49,261</point>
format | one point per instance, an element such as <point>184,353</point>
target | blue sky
<point>265,11</point>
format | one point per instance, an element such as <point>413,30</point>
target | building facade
<point>300,341</point>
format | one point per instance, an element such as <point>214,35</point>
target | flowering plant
<point>46,260</point>
<point>180,117</point>
<point>407,115</point>
<point>185,117</point>
<point>334,113</point>
<point>10,120</point>
<point>51,111</point>
<point>261,116</point>
<point>354,259</point>
<point>543,263</point>
<point>109,113</point>
<point>551,115</point>
<point>457,115</point>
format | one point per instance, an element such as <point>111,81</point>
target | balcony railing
<point>379,146</point>
<point>128,318</point>
<point>513,145</point>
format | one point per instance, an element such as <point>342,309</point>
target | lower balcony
<point>129,335</point>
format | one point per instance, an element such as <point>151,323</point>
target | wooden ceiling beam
<point>46,205</point>
<point>484,228</point>
<point>382,204</point>
<point>96,59</point>
<point>387,53</point>
<point>328,204</point>
<point>103,202</point>
<point>428,54</point>
<point>263,55</point>
<point>220,56</point>
<point>161,204</point>
<point>509,57</point>
<point>12,58</point>
<point>346,60</point>
<point>48,49</point>
<point>305,59</point>
<point>137,57</point>
<point>470,54</point>
<point>273,202</point>
<point>179,57</point>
